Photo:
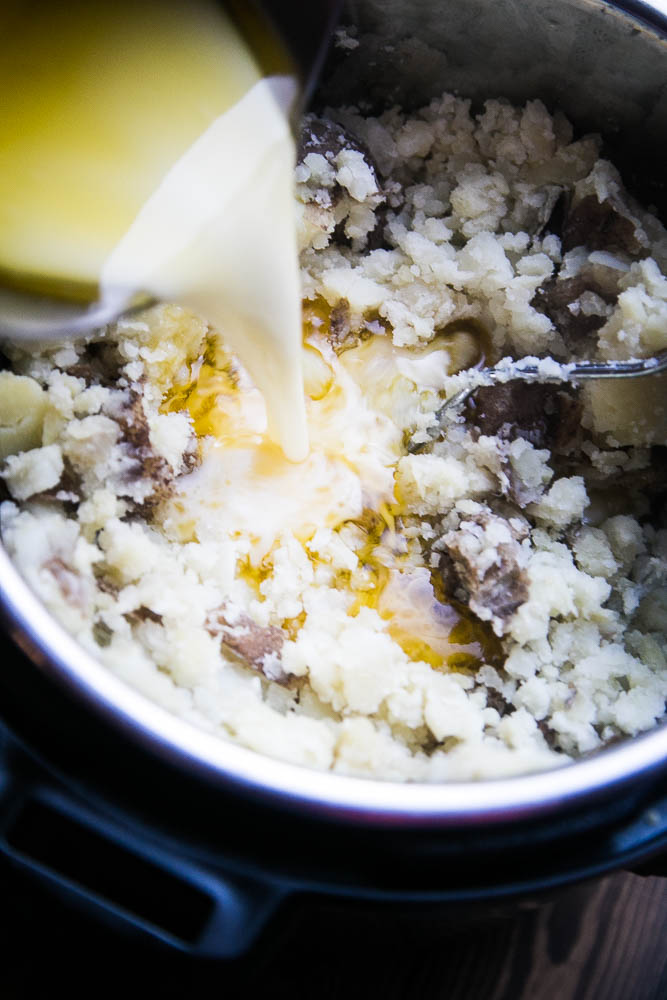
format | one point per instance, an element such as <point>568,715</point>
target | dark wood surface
<point>602,941</point>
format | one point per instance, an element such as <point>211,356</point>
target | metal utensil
<point>28,317</point>
<point>531,370</point>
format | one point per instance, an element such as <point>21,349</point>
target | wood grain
<point>600,941</point>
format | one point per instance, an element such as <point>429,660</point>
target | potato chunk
<point>22,407</point>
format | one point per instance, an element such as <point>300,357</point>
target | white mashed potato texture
<point>434,594</point>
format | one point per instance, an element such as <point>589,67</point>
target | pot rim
<point>653,12</point>
<point>365,801</point>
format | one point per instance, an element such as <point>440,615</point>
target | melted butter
<point>254,575</point>
<point>430,628</point>
<point>316,316</point>
<point>144,152</point>
<point>376,362</point>
<point>246,486</point>
<point>220,402</point>
<point>443,634</point>
<point>245,482</point>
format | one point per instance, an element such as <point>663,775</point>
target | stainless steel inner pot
<point>605,65</point>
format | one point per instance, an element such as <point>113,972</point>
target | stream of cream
<point>218,236</point>
<point>143,151</point>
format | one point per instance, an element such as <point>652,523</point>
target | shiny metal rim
<point>365,801</point>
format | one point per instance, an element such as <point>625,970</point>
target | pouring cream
<point>146,153</point>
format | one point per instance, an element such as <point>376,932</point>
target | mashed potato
<point>436,593</point>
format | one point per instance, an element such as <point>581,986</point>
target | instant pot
<point>166,830</point>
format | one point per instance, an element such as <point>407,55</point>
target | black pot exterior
<point>83,800</point>
<point>243,847</point>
